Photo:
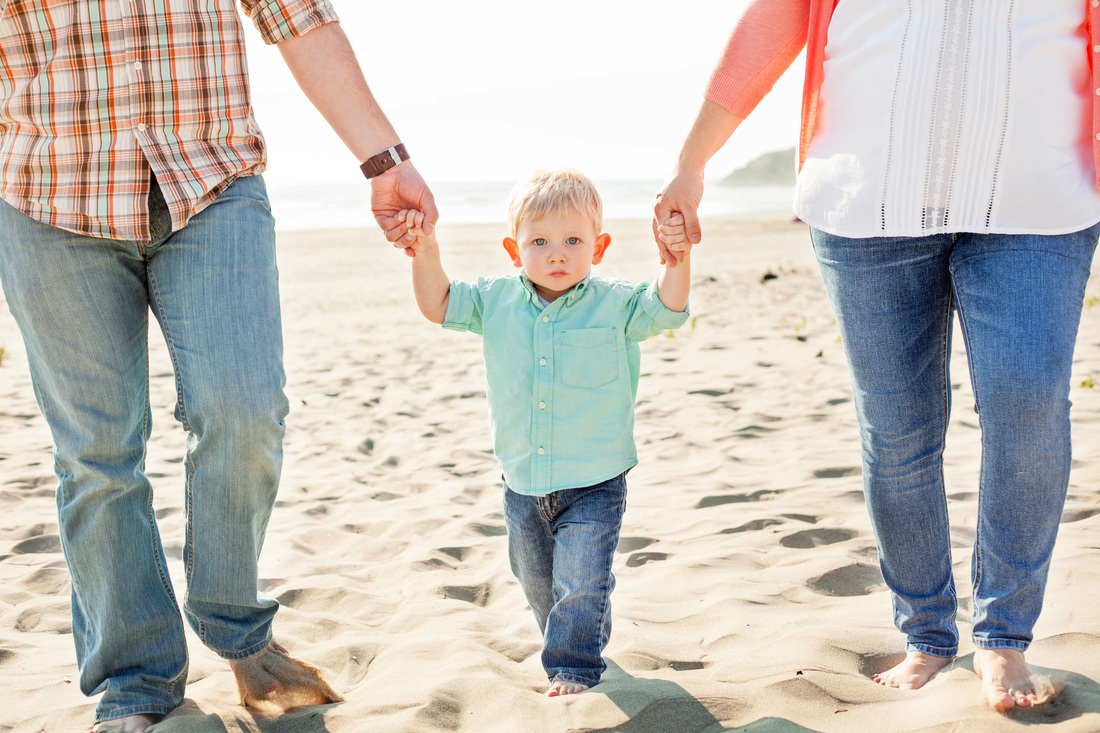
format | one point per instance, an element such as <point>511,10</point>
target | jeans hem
<point>933,651</point>
<point>135,710</point>
<point>250,652</point>
<point>565,677</point>
<point>987,644</point>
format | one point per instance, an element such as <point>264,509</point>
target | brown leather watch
<point>388,158</point>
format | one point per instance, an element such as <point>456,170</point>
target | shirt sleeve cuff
<point>663,318</point>
<point>460,307</point>
<point>281,20</point>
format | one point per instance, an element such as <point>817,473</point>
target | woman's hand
<point>681,195</point>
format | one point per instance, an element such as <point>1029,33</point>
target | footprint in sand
<point>1078,514</point>
<point>43,543</point>
<point>633,544</point>
<point>836,472</point>
<point>754,526</point>
<point>809,538</point>
<point>458,553</point>
<point>478,595</point>
<point>641,558</point>
<point>708,501</point>
<point>851,580</point>
<point>489,530</point>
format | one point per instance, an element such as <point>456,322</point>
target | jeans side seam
<point>190,470</point>
<point>170,342</point>
<point>154,534</point>
<point>945,389</point>
<point>977,572</point>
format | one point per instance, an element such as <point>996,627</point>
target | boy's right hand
<point>414,220</point>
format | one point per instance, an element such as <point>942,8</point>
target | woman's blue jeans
<point>561,547</point>
<point>82,305</point>
<point>1019,302</point>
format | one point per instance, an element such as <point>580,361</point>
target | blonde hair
<point>554,192</point>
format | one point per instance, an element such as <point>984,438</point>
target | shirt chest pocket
<point>589,357</point>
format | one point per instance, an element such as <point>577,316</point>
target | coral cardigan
<point>770,35</point>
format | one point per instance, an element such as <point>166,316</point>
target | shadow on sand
<point>660,706</point>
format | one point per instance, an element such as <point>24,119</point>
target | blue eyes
<point>540,242</point>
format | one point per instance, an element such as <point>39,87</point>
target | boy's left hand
<point>673,234</point>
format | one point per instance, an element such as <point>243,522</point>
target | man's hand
<point>673,235</point>
<point>681,195</point>
<point>399,189</point>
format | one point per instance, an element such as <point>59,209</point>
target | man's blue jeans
<point>561,546</point>
<point>82,305</point>
<point>1019,302</point>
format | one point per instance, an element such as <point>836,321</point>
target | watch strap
<point>388,158</point>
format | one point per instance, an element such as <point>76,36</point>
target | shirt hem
<point>584,483</point>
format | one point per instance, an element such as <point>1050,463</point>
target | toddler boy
<point>562,363</point>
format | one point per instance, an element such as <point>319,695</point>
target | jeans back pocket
<point>589,357</point>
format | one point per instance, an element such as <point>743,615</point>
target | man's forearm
<point>325,67</point>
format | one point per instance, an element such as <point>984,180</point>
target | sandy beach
<point>749,596</point>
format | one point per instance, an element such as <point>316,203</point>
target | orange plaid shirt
<point>95,93</point>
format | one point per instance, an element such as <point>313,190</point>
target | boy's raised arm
<point>674,283</point>
<point>431,287</point>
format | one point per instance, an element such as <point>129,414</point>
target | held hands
<point>673,236</point>
<point>680,196</point>
<point>420,230</point>
<point>398,190</point>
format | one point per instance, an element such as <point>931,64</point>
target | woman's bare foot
<point>129,724</point>
<point>565,687</point>
<point>273,682</point>
<point>912,672</point>
<point>1006,680</point>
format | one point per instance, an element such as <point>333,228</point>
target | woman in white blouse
<point>947,165</point>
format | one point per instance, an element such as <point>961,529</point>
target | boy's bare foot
<point>565,687</point>
<point>273,682</point>
<point>1006,680</point>
<point>912,672</point>
<point>129,724</point>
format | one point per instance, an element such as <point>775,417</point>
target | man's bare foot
<point>129,724</point>
<point>1007,681</point>
<point>565,687</point>
<point>912,672</point>
<point>273,682</point>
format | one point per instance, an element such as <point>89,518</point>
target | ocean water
<point>348,205</point>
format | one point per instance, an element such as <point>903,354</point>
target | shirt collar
<point>569,298</point>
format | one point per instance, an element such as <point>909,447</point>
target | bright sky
<point>492,89</point>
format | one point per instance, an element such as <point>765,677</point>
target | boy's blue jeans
<point>82,304</point>
<point>1019,302</point>
<point>561,546</point>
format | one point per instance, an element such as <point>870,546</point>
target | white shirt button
<point>1098,136</point>
<point>141,127</point>
<point>1096,3</point>
<point>542,405</point>
<point>541,451</point>
<point>546,319</point>
<point>1098,92</point>
<point>542,362</point>
<point>1096,49</point>
<point>137,66</point>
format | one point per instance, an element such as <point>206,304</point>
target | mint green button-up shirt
<point>562,379</point>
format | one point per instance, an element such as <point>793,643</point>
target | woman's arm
<point>764,43</point>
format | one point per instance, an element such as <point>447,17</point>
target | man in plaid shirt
<point>129,179</point>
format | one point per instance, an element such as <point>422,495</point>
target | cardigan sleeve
<point>764,43</point>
